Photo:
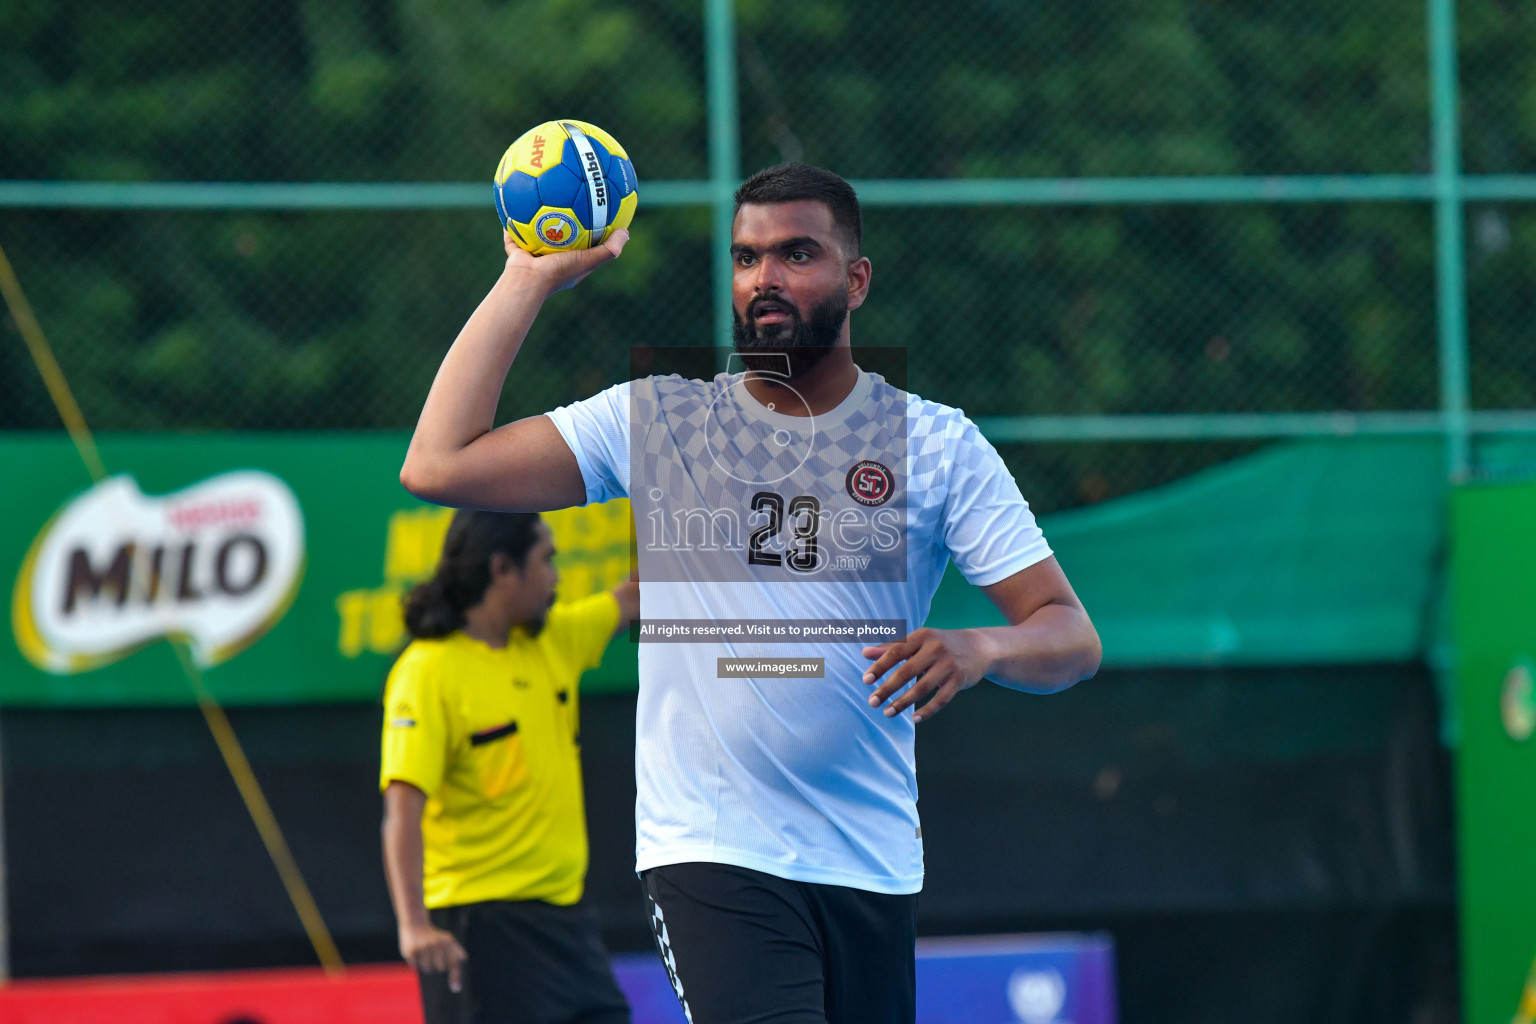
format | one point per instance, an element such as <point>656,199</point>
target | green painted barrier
<point>1494,600</point>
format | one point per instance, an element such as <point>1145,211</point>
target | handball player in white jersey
<point>795,496</point>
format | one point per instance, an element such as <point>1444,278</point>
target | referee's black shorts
<point>744,947</point>
<point>530,962</point>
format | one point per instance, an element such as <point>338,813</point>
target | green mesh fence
<point>1498,86</point>
<point>350,90</point>
<point>317,320</point>
<point>1014,88</point>
<point>1501,267</point>
<point>229,318</point>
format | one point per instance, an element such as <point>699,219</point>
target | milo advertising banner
<point>280,560</point>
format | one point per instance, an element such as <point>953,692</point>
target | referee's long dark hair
<point>436,607</point>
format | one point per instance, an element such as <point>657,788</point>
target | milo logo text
<point>217,563</point>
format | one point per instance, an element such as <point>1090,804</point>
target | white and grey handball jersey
<point>789,518</point>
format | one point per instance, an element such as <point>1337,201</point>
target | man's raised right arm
<point>458,457</point>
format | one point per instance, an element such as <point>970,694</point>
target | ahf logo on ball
<point>218,563</point>
<point>556,229</point>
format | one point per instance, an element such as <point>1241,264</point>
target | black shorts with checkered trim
<point>742,946</point>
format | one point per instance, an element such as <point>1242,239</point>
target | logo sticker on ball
<point>870,483</point>
<point>557,229</point>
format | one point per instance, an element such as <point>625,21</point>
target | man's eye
<point>746,259</point>
<point>799,256</point>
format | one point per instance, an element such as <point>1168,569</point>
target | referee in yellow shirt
<point>485,842</point>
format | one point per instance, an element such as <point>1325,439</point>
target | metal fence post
<point>1450,266</point>
<point>724,151</point>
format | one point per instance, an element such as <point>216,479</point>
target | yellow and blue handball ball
<point>565,185</point>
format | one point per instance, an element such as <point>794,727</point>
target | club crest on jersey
<point>870,483</point>
<point>556,229</point>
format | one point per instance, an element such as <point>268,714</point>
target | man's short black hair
<point>793,182</point>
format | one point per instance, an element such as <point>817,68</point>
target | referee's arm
<point>628,596</point>
<point>425,947</point>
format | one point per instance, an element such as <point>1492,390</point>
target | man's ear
<point>501,564</point>
<point>859,273</point>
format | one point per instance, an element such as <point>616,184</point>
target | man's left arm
<point>1048,645</point>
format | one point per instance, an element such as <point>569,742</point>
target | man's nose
<point>770,277</point>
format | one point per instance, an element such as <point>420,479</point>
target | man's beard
<point>803,340</point>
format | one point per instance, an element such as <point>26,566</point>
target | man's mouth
<point>771,313</point>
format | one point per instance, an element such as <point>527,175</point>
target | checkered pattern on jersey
<point>708,472</point>
<point>927,426</point>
